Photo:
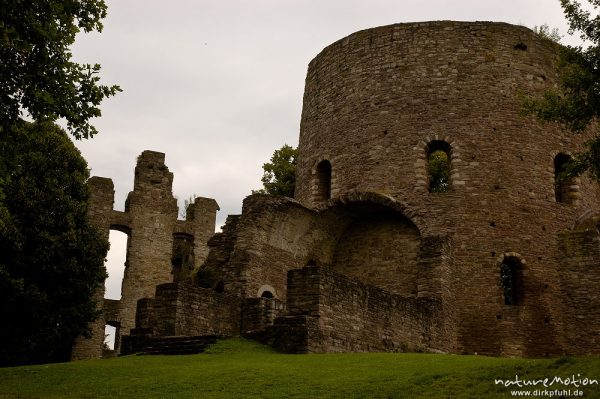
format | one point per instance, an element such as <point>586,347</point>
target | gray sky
<point>217,85</point>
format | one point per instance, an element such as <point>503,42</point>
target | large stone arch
<point>376,240</point>
<point>385,201</point>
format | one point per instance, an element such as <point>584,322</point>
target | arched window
<point>511,280</point>
<point>438,166</point>
<point>266,291</point>
<point>323,181</point>
<point>562,183</point>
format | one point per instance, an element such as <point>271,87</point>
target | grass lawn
<point>238,368</point>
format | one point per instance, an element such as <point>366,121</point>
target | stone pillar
<point>152,210</point>
<point>201,216</point>
<point>100,206</point>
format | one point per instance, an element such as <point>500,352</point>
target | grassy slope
<point>243,369</point>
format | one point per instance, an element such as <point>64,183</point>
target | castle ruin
<point>502,259</point>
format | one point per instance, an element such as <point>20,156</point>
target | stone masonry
<point>367,256</point>
<point>150,221</point>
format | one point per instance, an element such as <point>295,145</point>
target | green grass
<point>239,368</point>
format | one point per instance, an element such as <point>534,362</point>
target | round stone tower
<point>379,102</point>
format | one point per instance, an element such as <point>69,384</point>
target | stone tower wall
<point>580,277</point>
<point>374,102</point>
<point>375,99</point>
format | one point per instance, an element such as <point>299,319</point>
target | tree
<point>51,259</point>
<point>439,172</point>
<point>37,75</point>
<point>279,176</point>
<point>546,32</point>
<point>576,104</point>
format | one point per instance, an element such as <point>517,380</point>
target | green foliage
<point>545,32</point>
<point>577,103</point>
<point>439,172</point>
<point>279,176</point>
<point>243,369</point>
<point>36,71</point>
<point>51,259</point>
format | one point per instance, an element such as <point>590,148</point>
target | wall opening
<point>116,262</point>
<point>511,280</point>
<point>438,166</point>
<point>267,294</point>
<point>323,181</point>
<point>563,184</point>
<point>110,333</point>
<point>182,257</point>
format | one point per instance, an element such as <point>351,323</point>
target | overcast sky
<point>217,85</point>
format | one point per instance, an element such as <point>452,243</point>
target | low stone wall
<point>328,312</point>
<point>182,309</point>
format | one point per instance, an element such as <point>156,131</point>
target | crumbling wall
<point>150,221</point>
<point>153,212</point>
<point>192,235</point>
<point>221,245</point>
<point>364,235</point>
<point>100,205</point>
<point>328,312</point>
<point>273,235</point>
<point>184,309</point>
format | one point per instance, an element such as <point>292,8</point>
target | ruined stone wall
<point>195,231</point>
<point>365,236</point>
<point>150,221</point>
<point>153,212</point>
<point>328,312</point>
<point>100,205</point>
<point>273,235</point>
<point>183,309</point>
